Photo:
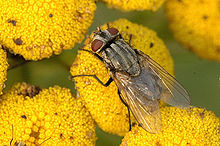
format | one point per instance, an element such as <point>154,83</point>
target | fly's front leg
<point>96,55</point>
<point>129,115</point>
<point>94,76</point>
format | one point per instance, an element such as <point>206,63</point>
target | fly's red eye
<point>113,31</point>
<point>96,45</point>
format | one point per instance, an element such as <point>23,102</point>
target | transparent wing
<point>173,92</point>
<point>145,110</point>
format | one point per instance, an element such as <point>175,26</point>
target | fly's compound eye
<point>113,31</point>
<point>96,45</point>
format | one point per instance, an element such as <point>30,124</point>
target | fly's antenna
<point>12,135</point>
<point>44,141</point>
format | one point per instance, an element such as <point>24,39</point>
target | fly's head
<point>102,38</point>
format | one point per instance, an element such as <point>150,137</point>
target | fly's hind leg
<point>129,115</point>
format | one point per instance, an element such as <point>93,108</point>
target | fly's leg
<point>107,83</point>
<point>44,141</point>
<point>129,115</point>
<point>130,37</point>
<point>94,76</point>
<point>12,135</point>
<point>96,55</point>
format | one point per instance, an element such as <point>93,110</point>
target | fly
<point>141,81</point>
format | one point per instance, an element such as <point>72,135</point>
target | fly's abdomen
<point>121,57</point>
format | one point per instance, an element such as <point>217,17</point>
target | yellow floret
<point>129,5</point>
<point>3,68</point>
<point>37,29</point>
<point>196,25</point>
<point>194,126</point>
<point>52,116</point>
<point>104,103</point>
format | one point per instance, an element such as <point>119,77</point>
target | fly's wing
<point>173,92</point>
<point>145,110</point>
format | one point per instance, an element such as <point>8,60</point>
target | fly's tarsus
<point>94,76</point>
<point>44,141</point>
<point>12,135</point>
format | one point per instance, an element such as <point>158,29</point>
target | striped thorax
<point>116,53</point>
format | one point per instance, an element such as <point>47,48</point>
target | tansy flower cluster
<point>3,68</point>
<point>194,126</point>
<point>129,5</point>
<point>196,25</point>
<point>37,29</point>
<point>49,116</point>
<point>104,103</point>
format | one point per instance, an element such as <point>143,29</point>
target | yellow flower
<point>50,114</point>
<point>196,25</point>
<point>3,68</point>
<point>37,29</point>
<point>194,126</point>
<point>129,5</point>
<point>104,103</point>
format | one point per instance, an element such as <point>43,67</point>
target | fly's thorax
<point>119,56</point>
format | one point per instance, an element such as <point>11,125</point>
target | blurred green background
<point>200,77</point>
